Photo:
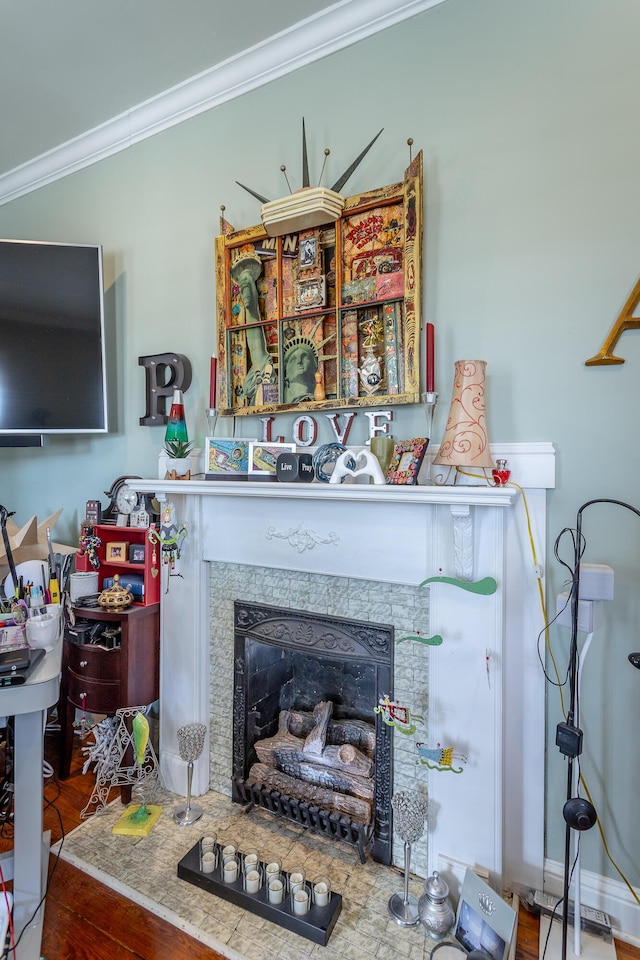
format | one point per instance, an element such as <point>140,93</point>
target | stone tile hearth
<point>144,869</point>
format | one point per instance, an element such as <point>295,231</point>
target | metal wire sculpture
<point>114,753</point>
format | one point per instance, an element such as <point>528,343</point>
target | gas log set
<point>326,763</point>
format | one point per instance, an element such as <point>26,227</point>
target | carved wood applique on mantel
<point>301,538</point>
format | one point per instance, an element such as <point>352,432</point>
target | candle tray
<point>316,925</point>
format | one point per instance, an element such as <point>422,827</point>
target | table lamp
<point>465,442</point>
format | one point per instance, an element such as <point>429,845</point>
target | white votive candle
<point>295,881</point>
<point>250,861</point>
<point>252,881</point>
<point>208,861</point>
<point>207,844</point>
<point>321,893</point>
<point>230,871</point>
<point>300,902</point>
<point>273,868</point>
<point>228,851</point>
<point>275,891</point>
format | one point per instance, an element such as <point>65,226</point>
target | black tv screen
<point>52,347</point>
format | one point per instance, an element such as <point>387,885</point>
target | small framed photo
<point>116,551</point>
<point>484,921</point>
<point>263,458</point>
<point>308,255</point>
<point>406,460</point>
<point>309,293</point>
<point>226,458</point>
<point>136,553</point>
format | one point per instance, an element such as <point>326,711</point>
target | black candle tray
<point>315,925</point>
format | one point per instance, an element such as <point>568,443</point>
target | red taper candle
<point>212,383</point>
<point>430,359</point>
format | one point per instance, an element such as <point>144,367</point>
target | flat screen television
<point>52,342</point>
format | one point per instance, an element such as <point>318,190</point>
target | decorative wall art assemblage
<point>328,317</point>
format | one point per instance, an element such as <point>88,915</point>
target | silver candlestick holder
<point>212,418</point>
<point>410,814</point>
<point>190,744</point>
<point>429,403</point>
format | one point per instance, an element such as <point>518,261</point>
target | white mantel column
<point>185,626</point>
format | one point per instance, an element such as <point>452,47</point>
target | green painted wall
<point>527,116</point>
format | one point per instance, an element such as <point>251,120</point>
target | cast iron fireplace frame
<point>339,639</point>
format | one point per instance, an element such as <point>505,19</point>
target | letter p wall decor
<point>164,373</point>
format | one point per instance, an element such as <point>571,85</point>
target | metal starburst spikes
<point>340,182</point>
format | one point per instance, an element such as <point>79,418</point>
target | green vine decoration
<point>485,587</point>
<point>434,641</point>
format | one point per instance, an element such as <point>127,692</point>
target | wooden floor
<point>85,920</point>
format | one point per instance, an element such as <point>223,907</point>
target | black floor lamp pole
<point>568,734</point>
<point>575,744</point>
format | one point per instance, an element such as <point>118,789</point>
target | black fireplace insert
<point>305,688</point>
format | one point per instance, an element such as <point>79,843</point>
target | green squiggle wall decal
<point>434,641</point>
<point>484,587</point>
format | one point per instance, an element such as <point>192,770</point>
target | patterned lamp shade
<point>465,442</point>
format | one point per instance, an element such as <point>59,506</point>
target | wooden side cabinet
<point>100,680</point>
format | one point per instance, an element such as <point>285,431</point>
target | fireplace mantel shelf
<point>455,496</point>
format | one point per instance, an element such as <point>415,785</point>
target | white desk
<point>28,863</point>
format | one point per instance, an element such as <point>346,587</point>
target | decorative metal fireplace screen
<point>317,678</point>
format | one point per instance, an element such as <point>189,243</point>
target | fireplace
<point>482,688</point>
<point>305,744</point>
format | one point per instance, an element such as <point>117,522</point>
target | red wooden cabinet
<point>116,546</point>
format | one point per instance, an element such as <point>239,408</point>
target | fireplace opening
<point>307,745</point>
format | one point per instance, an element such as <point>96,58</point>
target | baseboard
<point>601,893</point>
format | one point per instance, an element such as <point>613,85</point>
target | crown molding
<point>312,39</point>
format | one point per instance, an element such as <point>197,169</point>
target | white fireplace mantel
<point>484,683</point>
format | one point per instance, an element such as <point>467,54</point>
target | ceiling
<point>67,66</point>
<point>81,79</point>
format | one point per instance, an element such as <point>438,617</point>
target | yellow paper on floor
<point>128,825</point>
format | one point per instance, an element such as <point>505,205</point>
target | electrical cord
<point>532,544</point>
<point>6,801</point>
<point>559,684</point>
<point>4,947</point>
<point>51,872</point>
<point>451,944</point>
<point>6,817</point>
<point>551,919</point>
<point>545,630</point>
<point>581,779</point>
<point>6,785</point>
